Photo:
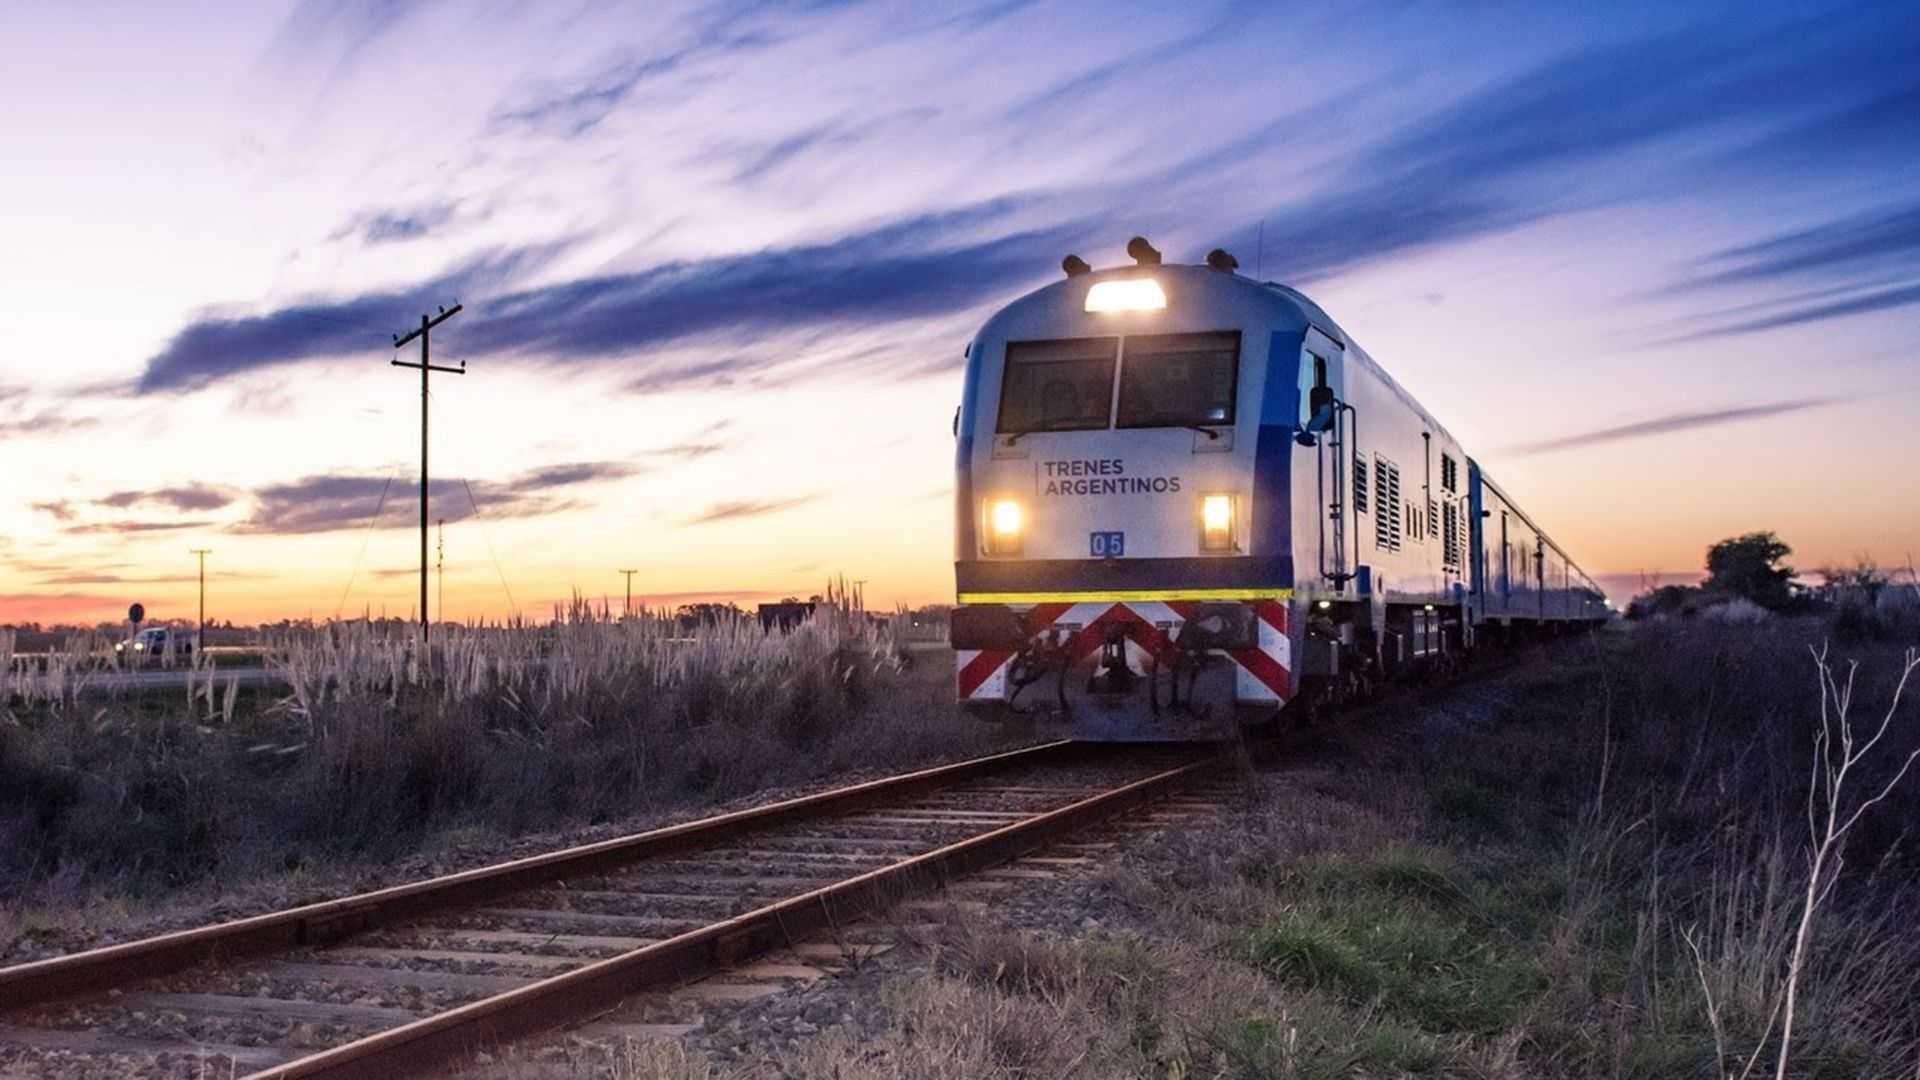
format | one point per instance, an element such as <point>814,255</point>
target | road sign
<point>136,613</point>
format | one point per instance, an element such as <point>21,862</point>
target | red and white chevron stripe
<point>1263,675</point>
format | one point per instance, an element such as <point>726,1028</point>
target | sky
<point>1657,266</point>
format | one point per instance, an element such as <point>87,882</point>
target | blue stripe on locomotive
<point>1272,521</point>
<point>964,545</point>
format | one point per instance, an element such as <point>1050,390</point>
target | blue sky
<point>1656,264</point>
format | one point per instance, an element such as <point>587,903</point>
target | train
<point>1188,502</point>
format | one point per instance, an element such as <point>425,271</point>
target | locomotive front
<point>1122,551</point>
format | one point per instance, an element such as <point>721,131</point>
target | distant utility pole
<point>628,609</point>
<point>202,553</point>
<point>860,595</point>
<point>427,323</point>
<point>440,563</point>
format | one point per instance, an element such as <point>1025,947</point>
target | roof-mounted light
<point>1129,294</point>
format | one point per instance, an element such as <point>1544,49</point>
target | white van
<point>157,641</point>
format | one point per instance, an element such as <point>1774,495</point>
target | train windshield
<point>1179,380</point>
<point>1057,385</point>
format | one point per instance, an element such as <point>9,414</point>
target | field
<point>1589,867</point>
<point>1592,861</point>
<point>368,758</point>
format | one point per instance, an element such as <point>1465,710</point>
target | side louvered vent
<point>1359,485</point>
<point>1450,545</point>
<point>1433,517</point>
<point>1387,523</point>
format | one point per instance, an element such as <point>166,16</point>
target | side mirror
<point>1322,420</point>
<point>1319,399</point>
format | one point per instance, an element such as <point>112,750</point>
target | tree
<point>1749,567</point>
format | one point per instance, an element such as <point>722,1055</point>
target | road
<point>176,679</point>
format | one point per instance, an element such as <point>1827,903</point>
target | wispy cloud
<point>1889,236</point>
<point>1565,136</point>
<point>571,108</point>
<point>917,266</point>
<point>690,451</point>
<point>702,443</point>
<point>58,509</point>
<point>117,579</point>
<point>1075,89</point>
<point>187,499</point>
<point>1667,425</point>
<point>321,43</point>
<point>1853,265</point>
<point>94,528</point>
<point>735,509</point>
<point>328,502</point>
<point>577,108</point>
<point>44,423</point>
<point>216,347</point>
<point>759,161</point>
<point>1790,314</point>
<point>390,226</point>
<point>704,373</point>
<point>985,15</point>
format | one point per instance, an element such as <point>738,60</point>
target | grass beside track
<point>131,798</point>
<point>1588,867</point>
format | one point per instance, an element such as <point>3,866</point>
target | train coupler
<point>1112,675</point>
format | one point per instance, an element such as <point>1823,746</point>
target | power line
<point>427,367</point>
<point>508,589</point>
<point>365,538</point>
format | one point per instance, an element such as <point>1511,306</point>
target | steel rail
<point>587,990</point>
<point>97,970</point>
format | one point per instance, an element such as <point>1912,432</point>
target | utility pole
<point>200,643</point>
<point>628,609</point>
<point>860,595</point>
<point>427,323</point>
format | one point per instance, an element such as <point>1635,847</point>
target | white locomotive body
<point>1184,496</point>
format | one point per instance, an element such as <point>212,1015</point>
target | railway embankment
<point>1594,863</point>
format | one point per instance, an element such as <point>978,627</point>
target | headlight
<point>1131,294</point>
<point>1005,522</point>
<point>139,646</point>
<point>1216,523</point>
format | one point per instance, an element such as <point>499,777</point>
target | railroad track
<point>408,977</point>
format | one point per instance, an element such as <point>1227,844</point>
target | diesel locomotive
<point>1186,498</point>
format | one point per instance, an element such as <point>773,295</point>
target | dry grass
<point>1593,868</point>
<point>376,749</point>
